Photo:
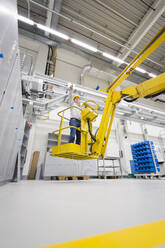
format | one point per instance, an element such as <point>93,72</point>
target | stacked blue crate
<point>144,157</point>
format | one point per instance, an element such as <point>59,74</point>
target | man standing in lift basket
<point>75,117</point>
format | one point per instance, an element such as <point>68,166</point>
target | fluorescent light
<point>140,70</point>
<point>82,44</point>
<point>113,57</point>
<point>52,31</point>
<point>24,19</point>
<point>152,75</point>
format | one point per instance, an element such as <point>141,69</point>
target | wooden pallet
<point>147,176</point>
<point>62,178</point>
<point>109,177</point>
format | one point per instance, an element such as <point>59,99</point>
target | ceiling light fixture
<point>79,43</point>
<point>140,70</point>
<point>52,31</point>
<point>109,56</point>
<point>152,75</point>
<point>85,45</point>
<point>24,19</point>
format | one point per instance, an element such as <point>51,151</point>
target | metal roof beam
<point>49,15</point>
<point>55,17</point>
<point>38,37</point>
<point>147,22</point>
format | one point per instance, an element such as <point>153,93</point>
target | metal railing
<point>59,131</point>
<point>61,115</point>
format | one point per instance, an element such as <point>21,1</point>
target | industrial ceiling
<point>119,27</point>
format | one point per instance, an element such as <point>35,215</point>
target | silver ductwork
<point>139,112</point>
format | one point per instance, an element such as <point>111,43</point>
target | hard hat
<point>75,97</point>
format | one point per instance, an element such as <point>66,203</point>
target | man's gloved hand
<point>71,87</point>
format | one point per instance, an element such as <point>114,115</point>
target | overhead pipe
<point>28,4</point>
<point>85,70</point>
<point>48,105</point>
<point>44,108</point>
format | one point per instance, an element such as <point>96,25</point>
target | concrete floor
<point>38,213</point>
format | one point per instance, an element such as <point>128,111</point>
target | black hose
<point>90,132</point>
<point>47,64</point>
<point>154,95</point>
<point>159,100</point>
<point>130,100</point>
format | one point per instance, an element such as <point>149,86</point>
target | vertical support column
<point>59,135</point>
<point>144,132</point>
<point>120,133</point>
<point>109,130</point>
<point>41,59</point>
<point>153,157</point>
<point>161,144</point>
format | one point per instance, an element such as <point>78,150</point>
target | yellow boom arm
<point>114,97</point>
<point>148,88</point>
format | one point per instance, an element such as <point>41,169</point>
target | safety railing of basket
<point>59,131</point>
<point>85,104</point>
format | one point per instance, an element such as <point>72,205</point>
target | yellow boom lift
<point>91,146</point>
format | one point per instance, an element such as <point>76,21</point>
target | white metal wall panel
<point>8,40</point>
<point>11,124</point>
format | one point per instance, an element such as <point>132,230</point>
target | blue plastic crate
<point>143,153</point>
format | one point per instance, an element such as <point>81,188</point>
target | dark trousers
<point>74,132</point>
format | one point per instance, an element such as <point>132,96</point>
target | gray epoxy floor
<point>38,213</point>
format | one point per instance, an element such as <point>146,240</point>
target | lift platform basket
<point>71,151</point>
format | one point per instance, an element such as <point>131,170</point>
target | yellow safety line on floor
<point>144,236</point>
